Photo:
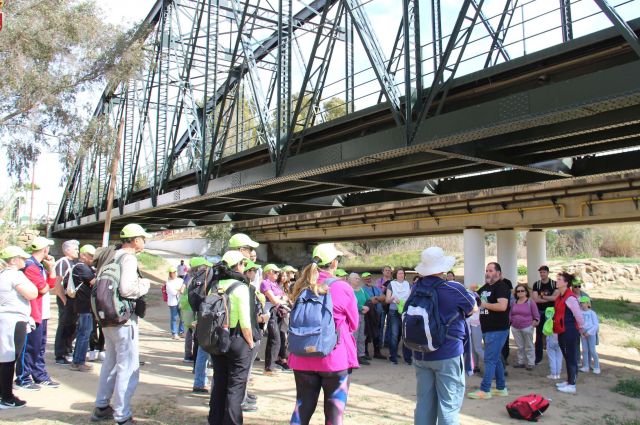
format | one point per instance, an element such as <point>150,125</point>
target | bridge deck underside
<point>568,112</point>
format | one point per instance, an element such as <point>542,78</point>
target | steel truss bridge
<point>259,112</point>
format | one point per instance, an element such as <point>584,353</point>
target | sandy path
<point>380,394</point>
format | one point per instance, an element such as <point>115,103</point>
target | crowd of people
<point>369,316</point>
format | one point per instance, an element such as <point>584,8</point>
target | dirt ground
<point>381,393</point>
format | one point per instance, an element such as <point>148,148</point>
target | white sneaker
<point>562,384</point>
<point>596,371</point>
<point>552,376</point>
<point>92,356</point>
<point>568,389</point>
<point>101,356</point>
<point>584,369</point>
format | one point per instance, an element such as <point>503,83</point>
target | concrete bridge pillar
<point>507,241</point>
<point>536,254</point>
<point>473,256</point>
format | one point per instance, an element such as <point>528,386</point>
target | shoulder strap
<point>330,281</point>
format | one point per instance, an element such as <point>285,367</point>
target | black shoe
<point>29,386</point>
<point>102,414</point>
<point>410,362</point>
<point>367,357</point>
<point>476,370</point>
<point>246,407</point>
<point>49,383</point>
<point>506,373</point>
<point>393,361</point>
<point>363,361</point>
<point>518,366</point>
<point>13,403</point>
<point>258,358</point>
<point>199,390</point>
<point>252,396</point>
<point>379,355</point>
<point>62,360</point>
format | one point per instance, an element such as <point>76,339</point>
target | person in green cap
<point>197,276</point>
<point>121,367</point>
<point>16,291</point>
<point>67,317</point>
<point>40,270</point>
<point>591,327</point>
<point>341,273</point>
<point>372,318</point>
<point>174,288</point>
<point>361,297</point>
<point>80,280</point>
<point>277,300</point>
<point>553,348</point>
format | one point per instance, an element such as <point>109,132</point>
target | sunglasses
<point>520,290</point>
<point>577,286</point>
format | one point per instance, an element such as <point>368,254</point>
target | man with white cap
<point>67,317</point>
<point>40,270</point>
<point>80,280</point>
<point>121,367</point>
<point>440,373</point>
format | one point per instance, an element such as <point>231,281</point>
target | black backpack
<point>213,315</point>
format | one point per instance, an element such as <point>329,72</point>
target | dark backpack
<point>213,315</point>
<point>422,327</point>
<point>196,290</point>
<point>108,306</point>
<point>528,407</point>
<point>312,328</point>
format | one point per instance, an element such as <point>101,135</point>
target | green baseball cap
<point>199,261</point>
<point>366,274</point>
<point>288,268</point>
<point>341,272</point>
<point>172,269</point>
<point>132,231</point>
<point>240,239</point>
<point>40,243</point>
<point>251,265</point>
<point>584,299</point>
<point>13,251</point>
<point>88,249</point>
<point>326,253</point>
<point>270,267</point>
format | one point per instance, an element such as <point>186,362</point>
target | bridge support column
<point>507,241</point>
<point>536,253</point>
<point>473,256</point>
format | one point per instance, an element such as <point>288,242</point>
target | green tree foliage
<point>51,51</point>
<point>334,108</point>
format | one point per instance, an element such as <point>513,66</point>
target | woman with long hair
<point>331,372</point>
<point>568,323</point>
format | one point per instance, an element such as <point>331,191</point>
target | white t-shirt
<point>173,286</point>
<point>400,290</point>
<point>11,302</point>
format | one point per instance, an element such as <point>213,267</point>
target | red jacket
<point>35,272</point>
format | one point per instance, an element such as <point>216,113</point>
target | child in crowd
<point>476,333</point>
<point>591,326</point>
<point>553,349</point>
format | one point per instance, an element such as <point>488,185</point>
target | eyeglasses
<point>520,290</point>
<point>577,286</point>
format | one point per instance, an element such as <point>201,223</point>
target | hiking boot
<point>479,395</point>
<point>248,407</point>
<point>283,365</point>
<point>363,361</point>
<point>13,403</point>
<point>500,393</point>
<point>102,414</point>
<point>81,367</point>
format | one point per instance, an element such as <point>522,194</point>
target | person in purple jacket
<point>524,318</point>
<point>330,373</point>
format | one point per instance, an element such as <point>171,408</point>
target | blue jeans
<point>395,325</point>
<point>200,369</point>
<point>85,326</point>
<point>440,391</point>
<point>589,352</point>
<point>493,366</point>
<point>174,319</point>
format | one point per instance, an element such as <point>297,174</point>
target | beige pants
<point>524,341</point>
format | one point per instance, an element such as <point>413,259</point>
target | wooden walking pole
<point>112,185</point>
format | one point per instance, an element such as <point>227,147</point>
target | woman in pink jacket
<point>330,373</point>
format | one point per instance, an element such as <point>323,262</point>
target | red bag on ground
<point>528,407</point>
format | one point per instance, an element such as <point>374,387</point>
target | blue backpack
<point>422,328</point>
<point>312,328</point>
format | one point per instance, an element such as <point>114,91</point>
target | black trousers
<point>66,331</point>
<point>540,337</point>
<point>230,376</point>
<point>569,342</point>
<point>335,386</point>
<point>96,339</point>
<point>273,341</point>
<point>7,369</point>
